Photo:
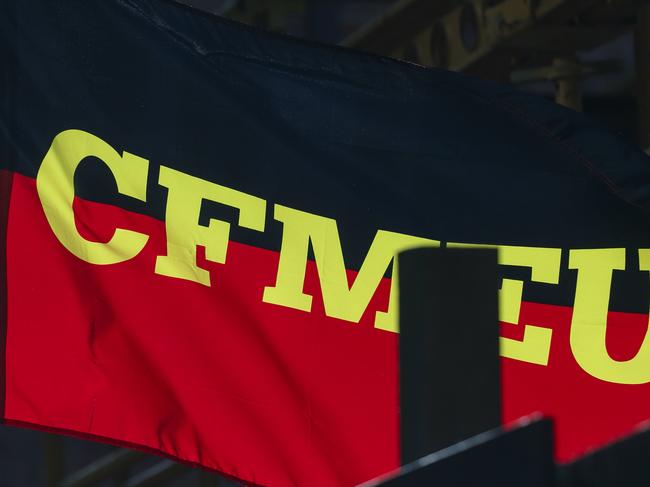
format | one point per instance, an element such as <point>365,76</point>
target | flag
<point>198,228</point>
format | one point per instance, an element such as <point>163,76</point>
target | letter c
<point>55,186</point>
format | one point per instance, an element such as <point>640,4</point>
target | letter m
<point>341,300</point>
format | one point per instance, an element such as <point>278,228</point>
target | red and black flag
<point>198,229</point>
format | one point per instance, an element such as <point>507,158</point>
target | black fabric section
<point>371,142</point>
<point>5,192</point>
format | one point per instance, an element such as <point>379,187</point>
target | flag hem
<point>125,444</point>
<point>6,179</point>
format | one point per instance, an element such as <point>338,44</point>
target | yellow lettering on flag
<point>341,300</point>
<point>55,186</point>
<point>184,199</point>
<point>589,324</point>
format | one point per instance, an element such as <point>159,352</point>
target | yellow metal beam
<point>458,35</point>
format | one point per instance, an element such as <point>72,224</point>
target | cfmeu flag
<point>198,229</point>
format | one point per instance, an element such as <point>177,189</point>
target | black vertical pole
<point>449,349</point>
<point>54,459</point>
<point>622,463</point>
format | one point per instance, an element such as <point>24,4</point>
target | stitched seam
<point>563,144</point>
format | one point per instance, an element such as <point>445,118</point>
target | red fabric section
<point>216,377</point>
<point>211,375</point>
<point>588,412</point>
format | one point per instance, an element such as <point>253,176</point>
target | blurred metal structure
<point>115,463</point>
<point>518,41</point>
<point>120,467</point>
<point>275,16</point>
<point>460,35</point>
<point>495,39</point>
